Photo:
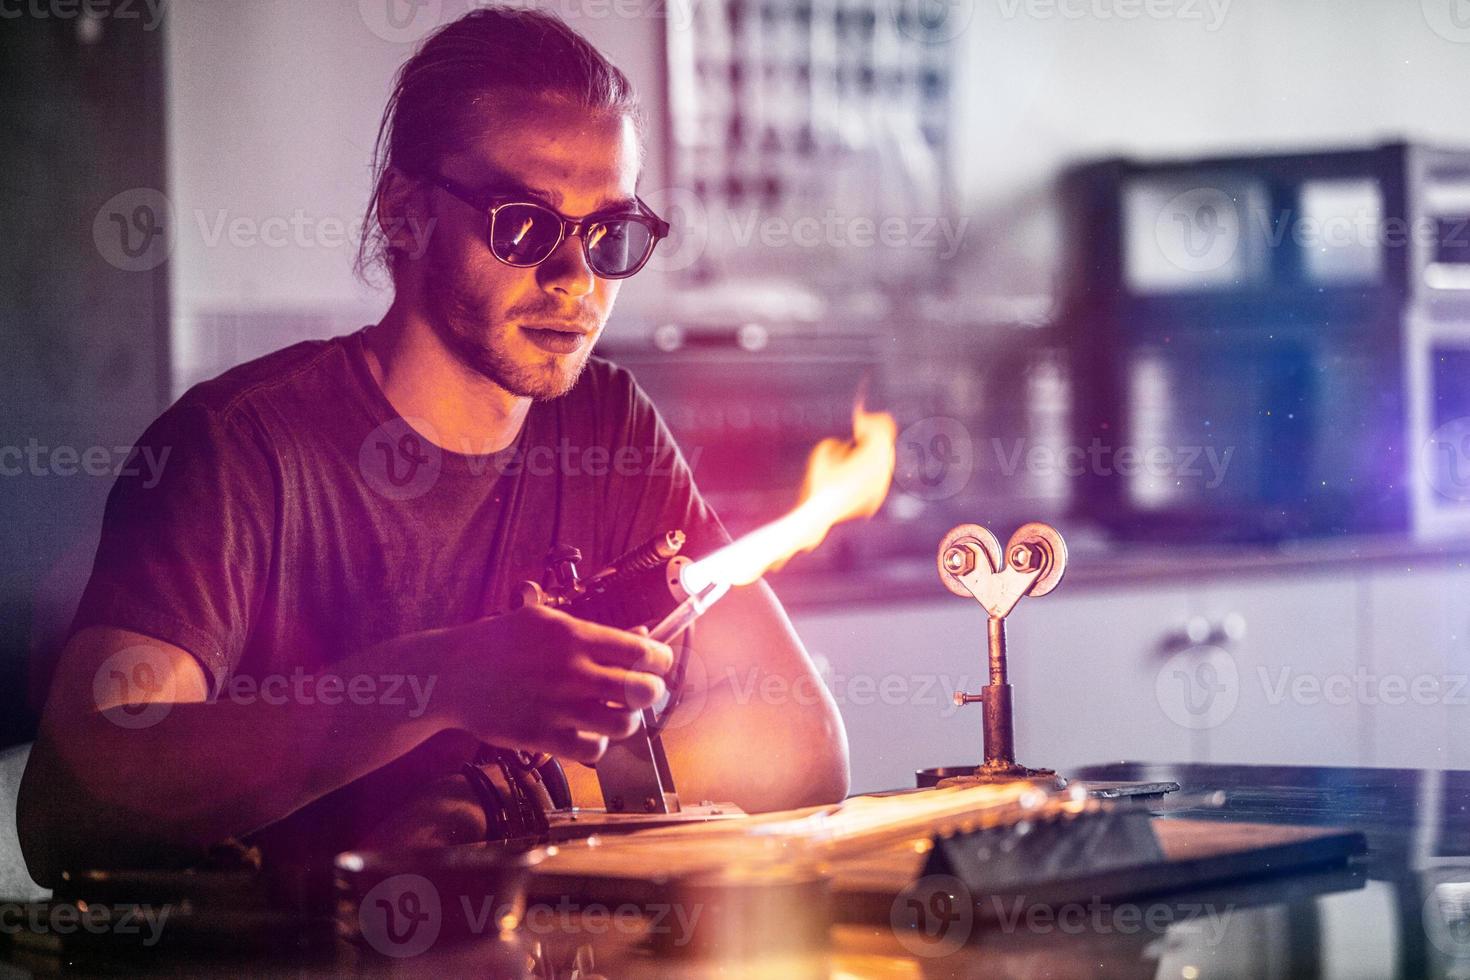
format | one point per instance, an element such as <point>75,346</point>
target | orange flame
<point>845,479</point>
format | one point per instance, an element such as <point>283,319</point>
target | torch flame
<point>845,479</point>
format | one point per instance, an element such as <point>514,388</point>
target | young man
<point>289,638</point>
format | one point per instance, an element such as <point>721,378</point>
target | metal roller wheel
<point>1046,541</point>
<point>976,537</point>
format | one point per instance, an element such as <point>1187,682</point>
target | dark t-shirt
<point>298,519</point>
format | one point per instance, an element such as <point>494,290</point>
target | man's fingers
<point>623,648</point>
<point>634,688</point>
<point>569,743</point>
<point>596,718</point>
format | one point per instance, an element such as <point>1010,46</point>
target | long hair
<point>436,107</point>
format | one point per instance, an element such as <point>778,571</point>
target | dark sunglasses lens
<point>618,247</point>
<point>523,234</point>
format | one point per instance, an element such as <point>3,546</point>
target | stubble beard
<point>468,332</point>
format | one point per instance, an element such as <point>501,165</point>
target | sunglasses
<point>524,234</point>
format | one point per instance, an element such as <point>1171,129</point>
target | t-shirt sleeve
<point>186,537</point>
<point>654,489</point>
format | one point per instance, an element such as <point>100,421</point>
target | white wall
<point>1040,87</point>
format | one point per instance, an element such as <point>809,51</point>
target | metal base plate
<point>1042,778</point>
<point>1046,779</point>
<point>578,822</point>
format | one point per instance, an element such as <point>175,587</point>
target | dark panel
<point>83,311</point>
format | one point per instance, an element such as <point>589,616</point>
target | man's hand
<point>541,680</point>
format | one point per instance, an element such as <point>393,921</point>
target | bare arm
<point>157,782</point>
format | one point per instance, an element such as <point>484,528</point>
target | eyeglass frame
<point>490,204</point>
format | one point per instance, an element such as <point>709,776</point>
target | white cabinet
<point>1085,671</point>
<point>1294,662</point>
<point>1417,662</point>
<point>893,671</point>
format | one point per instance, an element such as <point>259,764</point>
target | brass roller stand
<point>972,564</point>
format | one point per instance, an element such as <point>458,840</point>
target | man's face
<point>530,330</point>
